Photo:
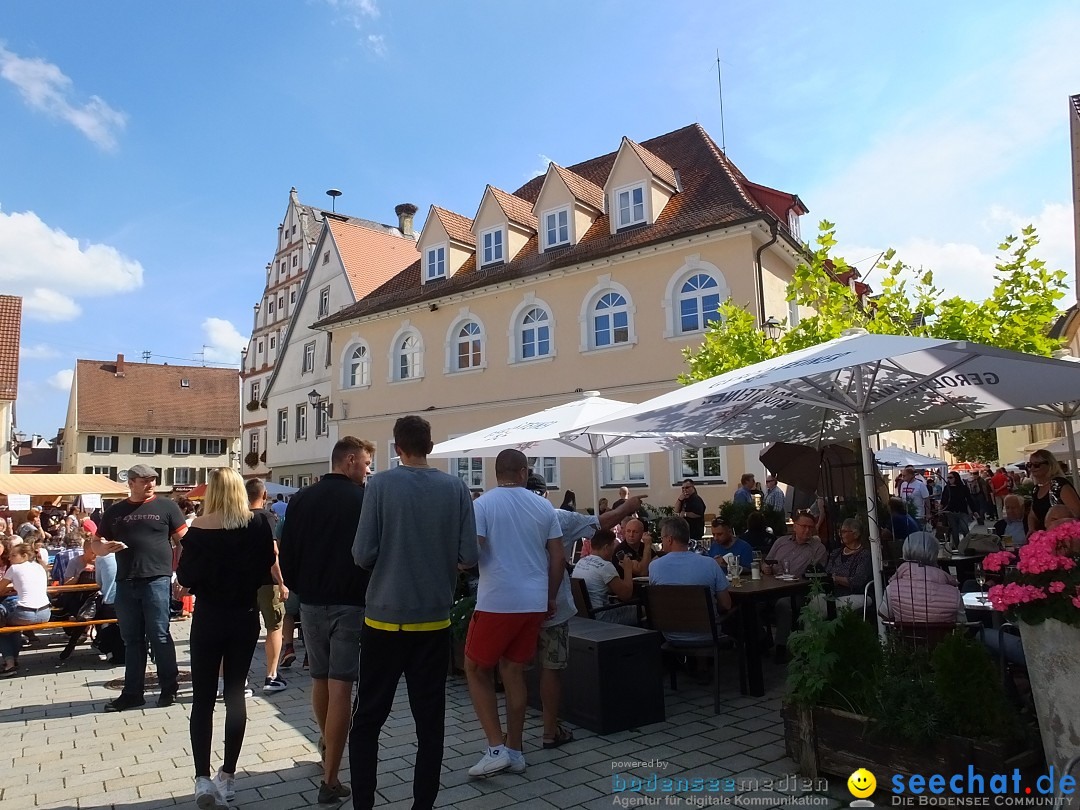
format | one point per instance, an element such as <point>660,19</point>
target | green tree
<point>1017,315</point>
<point>973,445</point>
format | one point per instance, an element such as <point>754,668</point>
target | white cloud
<point>39,351</point>
<point>51,269</point>
<point>222,341</point>
<point>61,380</point>
<point>356,12</point>
<point>44,87</point>
<point>377,43</point>
<point>544,161</point>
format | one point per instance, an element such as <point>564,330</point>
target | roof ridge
<point>596,193</point>
<point>734,174</point>
<point>655,164</point>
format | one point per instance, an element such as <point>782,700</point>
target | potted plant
<point>460,615</point>
<point>1042,593</point>
<point>252,459</point>
<point>737,513</point>
<point>253,405</point>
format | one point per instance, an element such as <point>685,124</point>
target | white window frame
<point>182,447</point>
<point>273,341</point>
<point>106,471</point>
<point>184,476</point>
<point>255,386</point>
<point>301,421</point>
<point>698,296</point>
<point>469,469</point>
<point>270,306</point>
<point>793,224</point>
<point>406,331</point>
<point>631,220</point>
<point>704,457</point>
<point>793,315</point>
<point>564,211</point>
<point>307,363</point>
<point>435,262</point>
<point>615,305</point>
<point>548,467</point>
<point>393,460</point>
<point>303,480</point>
<point>456,341</point>
<point>324,301</point>
<point>603,287</point>
<point>147,447</point>
<point>215,447</point>
<point>490,246</point>
<point>356,372</point>
<point>102,444</point>
<point>322,418</point>
<point>283,426</point>
<point>253,442</point>
<point>692,265</point>
<point>517,329</point>
<point>285,480</point>
<point>619,470</point>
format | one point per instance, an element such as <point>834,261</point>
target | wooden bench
<point>73,640</point>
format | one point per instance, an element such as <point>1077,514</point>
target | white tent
<point>899,457</point>
<point>853,386</point>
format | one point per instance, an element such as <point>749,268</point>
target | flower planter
<point>1052,649</point>
<point>836,743</point>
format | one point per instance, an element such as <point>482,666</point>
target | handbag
<point>89,608</point>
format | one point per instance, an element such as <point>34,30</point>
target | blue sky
<point>148,149</point>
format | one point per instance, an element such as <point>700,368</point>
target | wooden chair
<point>584,604</point>
<point>689,609</point>
<point>927,635</point>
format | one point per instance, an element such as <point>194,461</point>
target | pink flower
<point>1056,587</point>
<point>997,560</point>
<point>1003,597</point>
<point>1076,601</point>
<point>1043,553</point>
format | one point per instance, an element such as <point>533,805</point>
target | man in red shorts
<point>521,568</point>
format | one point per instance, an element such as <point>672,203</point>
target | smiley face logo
<point>861,783</point>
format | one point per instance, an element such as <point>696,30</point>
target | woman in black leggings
<point>227,556</point>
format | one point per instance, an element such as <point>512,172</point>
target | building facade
<point>351,258</point>
<point>180,420</point>
<point>594,276</point>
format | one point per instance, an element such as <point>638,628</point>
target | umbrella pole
<point>870,485</point>
<point>596,484</point>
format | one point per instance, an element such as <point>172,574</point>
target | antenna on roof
<point>333,194</point>
<point>720,82</point>
<point>146,355</point>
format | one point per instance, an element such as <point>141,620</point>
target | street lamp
<point>772,328</point>
<point>314,399</point>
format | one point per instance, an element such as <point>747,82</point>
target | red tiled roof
<point>457,227</point>
<point>149,397</point>
<point>712,197</point>
<point>516,209</point>
<point>370,257</point>
<point>10,337</point>
<point>582,189</point>
<point>653,163</point>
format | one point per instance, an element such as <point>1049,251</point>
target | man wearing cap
<point>141,531</point>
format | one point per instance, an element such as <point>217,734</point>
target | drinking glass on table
<point>787,568</point>
<point>735,569</point>
<point>980,577</point>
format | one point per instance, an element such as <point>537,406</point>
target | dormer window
<point>793,224</point>
<point>491,243</point>
<point>556,228</point>
<point>630,206</point>
<point>435,263</point>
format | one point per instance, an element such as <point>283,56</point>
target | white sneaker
<point>517,763</point>
<point>224,783</point>
<point>207,796</point>
<point>491,763</point>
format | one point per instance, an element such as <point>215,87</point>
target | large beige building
<point>181,420</point>
<point>594,276</point>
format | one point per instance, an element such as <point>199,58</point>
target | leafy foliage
<point>1017,315</point>
<point>969,691</point>
<point>737,513</point>
<point>907,705</point>
<point>973,445</point>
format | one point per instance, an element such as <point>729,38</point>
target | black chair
<point>584,604</point>
<point>689,609</point>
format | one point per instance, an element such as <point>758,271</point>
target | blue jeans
<point>10,642</point>
<point>142,607</point>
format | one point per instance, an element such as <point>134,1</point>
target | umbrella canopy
<point>899,457</point>
<point>853,386</point>
<point>557,432</point>
<point>805,467</point>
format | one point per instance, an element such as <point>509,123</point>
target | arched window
<point>699,300</point>
<point>358,368</point>
<point>610,321</point>
<point>408,356</point>
<point>469,345</point>
<point>534,334</point>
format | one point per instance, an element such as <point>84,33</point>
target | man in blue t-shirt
<point>725,542</point>
<point>680,566</point>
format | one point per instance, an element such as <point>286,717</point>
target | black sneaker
<point>125,702</point>
<point>166,699</point>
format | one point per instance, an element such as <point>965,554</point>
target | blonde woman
<point>1051,489</point>
<point>228,552</point>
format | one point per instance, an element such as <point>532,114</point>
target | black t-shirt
<point>226,567</point>
<point>623,551</point>
<point>146,528</point>
<point>694,503</point>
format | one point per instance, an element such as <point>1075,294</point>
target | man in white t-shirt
<point>913,489</point>
<point>601,579</point>
<point>521,567</point>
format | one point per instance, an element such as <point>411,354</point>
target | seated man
<point>1013,526</point>
<point>680,566</point>
<point>633,548</point>
<point>725,542</point>
<point>902,522</point>
<point>792,555</point>
<point>601,579</point>
<point>757,533</point>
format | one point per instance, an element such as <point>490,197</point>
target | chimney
<point>405,213</point>
<point>119,365</point>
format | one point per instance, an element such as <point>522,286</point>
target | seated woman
<point>29,605</point>
<point>850,567</point>
<point>920,592</point>
<point>601,579</point>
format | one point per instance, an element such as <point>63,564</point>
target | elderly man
<point>140,531</point>
<point>775,498</point>
<point>1058,514</point>
<point>792,555</point>
<point>633,548</point>
<point>1013,525</point>
<point>691,508</point>
<point>745,492</point>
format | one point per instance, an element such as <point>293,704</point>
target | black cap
<point>536,483</point>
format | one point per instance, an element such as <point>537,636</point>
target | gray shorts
<point>332,640</point>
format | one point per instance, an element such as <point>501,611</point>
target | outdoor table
<point>747,597</point>
<point>977,606</point>
<point>962,564</point>
<point>54,590</point>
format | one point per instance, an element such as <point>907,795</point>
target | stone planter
<point>1052,649</point>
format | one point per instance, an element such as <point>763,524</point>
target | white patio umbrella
<point>557,432</point>
<point>853,386</point>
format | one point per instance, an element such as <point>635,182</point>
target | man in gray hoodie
<point>416,530</point>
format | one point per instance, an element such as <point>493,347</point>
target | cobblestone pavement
<point>59,750</point>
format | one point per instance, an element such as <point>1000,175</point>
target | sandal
<point>562,735</point>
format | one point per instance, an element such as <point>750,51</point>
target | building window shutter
<point>135,445</point>
<point>201,478</point>
<point>88,470</point>
<point>172,446</point>
<point>158,470</point>
<point>89,444</point>
<point>202,447</point>
<point>116,444</point>
<point>113,473</point>
<point>169,476</point>
<point>157,446</point>
<point>329,410</point>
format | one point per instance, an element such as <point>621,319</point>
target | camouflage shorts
<point>553,648</point>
